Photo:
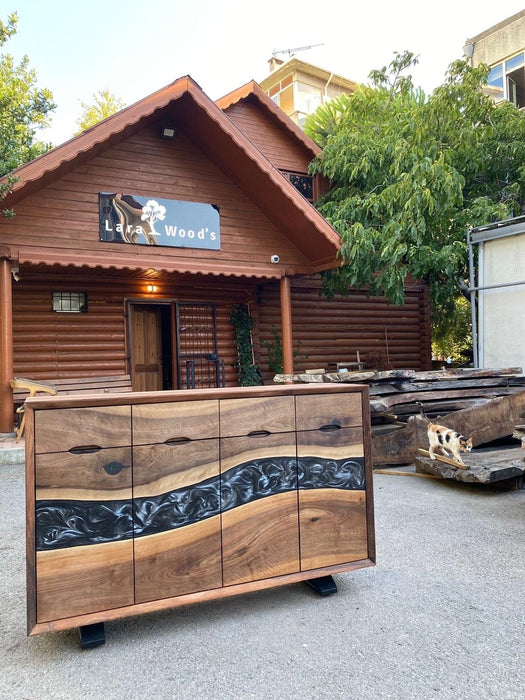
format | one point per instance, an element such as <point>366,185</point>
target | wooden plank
<point>442,458</point>
<point>482,468</point>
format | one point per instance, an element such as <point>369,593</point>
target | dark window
<point>303,183</point>
<point>70,302</point>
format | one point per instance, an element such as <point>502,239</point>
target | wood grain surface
<point>85,579</point>
<point>84,477</point>
<point>180,561</point>
<point>102,426</point>
<point>332,444</point>
<point>274,414</point>
<point>316,411</point>
<point>332,525</point>
<point>160,422</point>
<point>261,539</point>
<point>162,468</point>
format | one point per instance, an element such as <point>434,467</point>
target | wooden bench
<point>24,388</point>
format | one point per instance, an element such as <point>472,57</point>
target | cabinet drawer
<point>317,410</point>
<point>60,430</point>
<point>162,422</point>
<point>100,474</point>
<point>273,414</point>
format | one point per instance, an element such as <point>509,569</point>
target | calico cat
<point>444,440</point>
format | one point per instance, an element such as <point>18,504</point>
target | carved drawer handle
<point>84,449</point>
<point>259,433</point>
<point>330,427</point>
<point>177,441</point>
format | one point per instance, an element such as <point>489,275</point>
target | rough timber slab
<point>482,468</point>
<point>495,419</point>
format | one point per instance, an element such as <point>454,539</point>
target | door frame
<point>173,332</point>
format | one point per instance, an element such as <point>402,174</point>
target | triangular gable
<point>222,140</point>
<point>254,91</point>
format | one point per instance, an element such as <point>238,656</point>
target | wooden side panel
<point>260,536</point>
<point>176,519</point>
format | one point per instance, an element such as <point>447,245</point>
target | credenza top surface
<point>139,397</point>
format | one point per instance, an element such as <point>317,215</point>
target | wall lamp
<point>152,288</point>
<point>168,132</point>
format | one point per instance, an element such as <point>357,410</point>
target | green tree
<point>105,104</point>
<point>24,108</point>
<point>411,174</point>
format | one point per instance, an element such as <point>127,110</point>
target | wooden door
<point>83,511</point>
<point>146,347</point>
<point>332,497</point>
<point>260,536</point>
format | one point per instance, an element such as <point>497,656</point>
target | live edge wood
<point>147,501</point>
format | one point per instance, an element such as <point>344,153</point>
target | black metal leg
<point>92,635</point>
<point>324,585</point>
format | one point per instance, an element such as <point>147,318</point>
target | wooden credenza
<point>146,501</point>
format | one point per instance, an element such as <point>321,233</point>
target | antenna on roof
<point>291,52</point>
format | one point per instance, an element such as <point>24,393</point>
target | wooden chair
<point>33,388</point>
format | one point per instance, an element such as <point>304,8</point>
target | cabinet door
<point>332,497</point>
<point>83,531</point>
<point>260,535</point>
<point>176,494</point>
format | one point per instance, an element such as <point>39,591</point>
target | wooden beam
<point>6,348</point>
<point>286,325</point>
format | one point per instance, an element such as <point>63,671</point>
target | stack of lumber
<point>395,394</point>
<point>485,404</point>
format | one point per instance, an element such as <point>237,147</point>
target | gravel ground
<point>440,616</point>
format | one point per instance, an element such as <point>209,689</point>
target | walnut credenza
<point>145,501</point>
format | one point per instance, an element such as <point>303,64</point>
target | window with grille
<point>70,302</point>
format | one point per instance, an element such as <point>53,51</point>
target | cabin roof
<point>184,102</point>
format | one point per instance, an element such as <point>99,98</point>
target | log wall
<point>329,331</point>
<point>50,345</point>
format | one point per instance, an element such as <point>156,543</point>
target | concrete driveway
<point>440,616</point>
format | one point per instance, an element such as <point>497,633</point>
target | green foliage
<point>243,323</point>
<point>274,348</point>
<point>453,338</point>
<point>24,108</point>
<point>412,174</point>
<point>105,104</point>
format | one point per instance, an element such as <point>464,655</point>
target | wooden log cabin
<point>133,242</point>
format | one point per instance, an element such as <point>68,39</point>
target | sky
<point>133,48</point>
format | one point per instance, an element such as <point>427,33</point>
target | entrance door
<point>146,347</point>
<point>173,345</point>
